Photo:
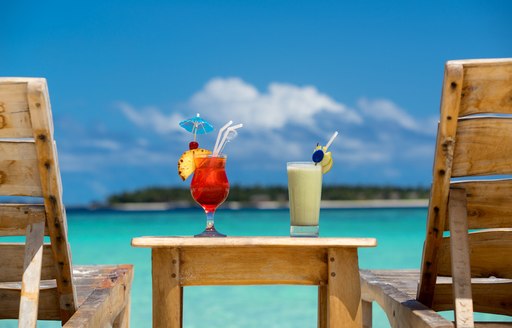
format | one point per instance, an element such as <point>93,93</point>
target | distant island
<point>163,198</point>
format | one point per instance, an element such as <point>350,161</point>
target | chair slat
<point>14,218</point>
<point>18,169</point>
<point>488,203</point>
<point>483,147</point>
<point>14,114</point>
<point>487,88</point>
<point>489,254</point>
<point>489,296</point>
<point>11,262</point>
<point>33,260</point>
<point>48,301</point>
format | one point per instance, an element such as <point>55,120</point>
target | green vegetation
<point>271,193</point>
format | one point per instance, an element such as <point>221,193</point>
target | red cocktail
<point>210,188</point>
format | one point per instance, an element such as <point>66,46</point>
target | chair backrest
<point>473,153</point>
<point>29,168</point>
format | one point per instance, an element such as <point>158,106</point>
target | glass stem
<point>209,221</point>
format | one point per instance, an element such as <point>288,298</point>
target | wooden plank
<point>490,295</point>
<point>323,296</point>
<point>108,301</point>
<point>18,169</point>
<point>452,88</point>
<point>48,301</point>
<point>42,124</point>
<point>395,292</point>
<point>487,88</point>
<point>367,314</point>
<point>11,262</point>
<point>14,115</point>
<point>489,254</point>
<point>167,291</point>
<point>344,288</point>
<point>488,203</point>
<point>483,147</point>
<point>14,218</point>
<point>252,266</point>
<point>33,259</point>
<point>154,242</point>
<point>459,247</point>
<point>88,280</point>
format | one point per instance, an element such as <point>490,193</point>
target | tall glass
<point>210,188</point>
<point>305,193</point>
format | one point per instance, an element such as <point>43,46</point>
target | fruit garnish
<point>326,162</point>
<point>186,165</point>
<point>325,158</point>
<point>193,145</point>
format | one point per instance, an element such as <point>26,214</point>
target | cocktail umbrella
<point>196,125</point>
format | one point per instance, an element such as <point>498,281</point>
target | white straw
<point>331,140</point>
<point>215,148</point>
<point>225,136</point>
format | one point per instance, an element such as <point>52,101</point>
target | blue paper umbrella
<point>196,125</point>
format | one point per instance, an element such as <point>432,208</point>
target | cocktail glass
<point>210,188</point>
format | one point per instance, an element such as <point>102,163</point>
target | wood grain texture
<point>103,297</point>
<point>459,248</point>
<point>167,291</point>
<point>490,295</point>
<point>487,88</point>
<point>323,304</point>
<point>252,266</point>
<point>29,299</point>
<point>42,125</point>
<point>90,281</point>
<point>14,115</point>
<point>11,262</point>
<point>395,291</point>
<point>489,254</point>
<point>19,175</point>
<point>344,302</point>
<point>155,242</point>
<point>14,218</point>
<point>450,101</point>
<point>488,203</point>
<point>483,147</point>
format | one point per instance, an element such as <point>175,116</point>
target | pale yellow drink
<point>305,193</point>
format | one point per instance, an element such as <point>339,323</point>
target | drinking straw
<point>331,140</point>
<point>225,136</point>
<point>215,148</point>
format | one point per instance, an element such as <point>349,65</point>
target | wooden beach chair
<point>37,280</point>
<point>467,256</point>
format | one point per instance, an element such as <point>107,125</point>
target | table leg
<point>344,288</point>
<point>167,292</point>
<point>322,306</point>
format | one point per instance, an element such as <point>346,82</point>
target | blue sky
<point>122,74</point>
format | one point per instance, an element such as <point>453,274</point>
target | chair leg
<point>367,314</point>
<point>123,319</point>
<point>459,248</point>
<point>32,263</point>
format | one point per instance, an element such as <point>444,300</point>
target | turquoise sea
<point>104,238</point>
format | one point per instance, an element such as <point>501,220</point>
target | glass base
<point>304,231</point>
<point>210,232</point>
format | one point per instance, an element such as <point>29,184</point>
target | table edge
<point>186,241</point>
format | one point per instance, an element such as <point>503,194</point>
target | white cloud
<point>151,118</point>
<point>386,110</point>
<point>233,99</point>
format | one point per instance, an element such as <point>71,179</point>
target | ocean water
<point>104,238</point>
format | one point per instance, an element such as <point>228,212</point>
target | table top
<point>160,242</point>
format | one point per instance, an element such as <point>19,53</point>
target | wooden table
<point>330,263</point>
